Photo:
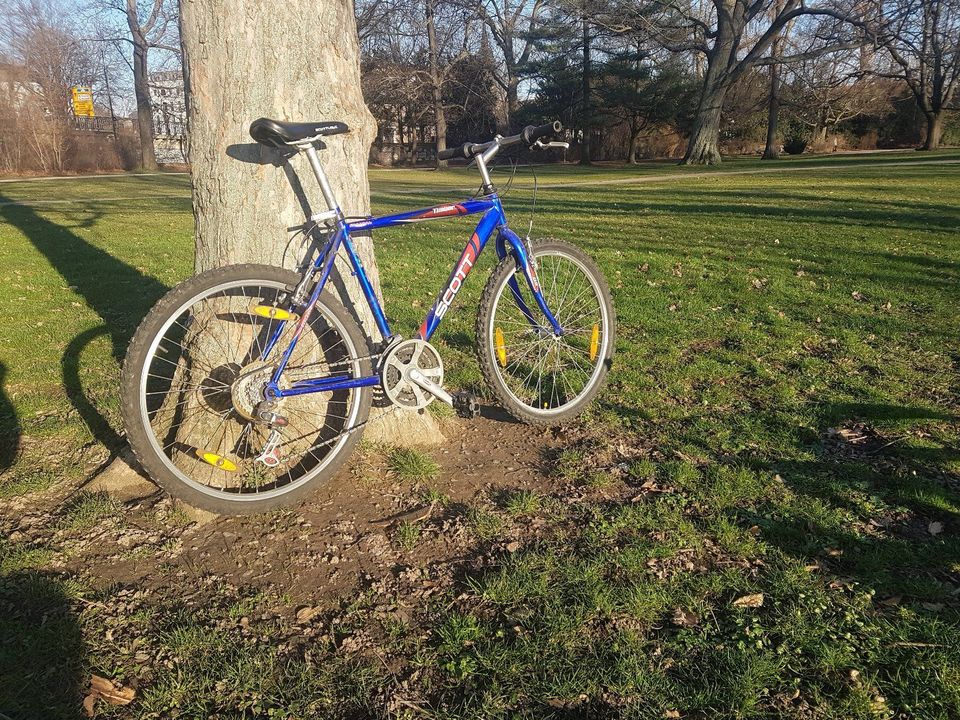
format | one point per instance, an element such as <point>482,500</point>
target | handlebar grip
<point>462,151</point>
<point>532,133</point>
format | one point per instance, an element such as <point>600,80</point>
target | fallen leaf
<point>932,607</point>
<point>855,676</point>
<point>857,295</point>
<point>891,601</point>
<point>671,713</point>
<point>685,618</point>
<point>935,527</point>
<point>645,267</point>
<point>102,688</point>
<point>750,601</point>
<point>512,547</point>
<point>306,614</point>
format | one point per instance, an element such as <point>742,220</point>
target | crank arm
<point>430,386</point>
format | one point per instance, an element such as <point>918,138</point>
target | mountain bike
<point>248,386</point>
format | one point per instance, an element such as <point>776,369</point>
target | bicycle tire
<point>487,351</point>
<point>133,383</point>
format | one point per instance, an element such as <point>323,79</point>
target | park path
<point>664,177</point>
<point>642,179</point>
<point>683,176</point>
<point>47,178</point>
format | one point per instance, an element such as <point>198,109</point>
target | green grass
<point>757,312</point>
<point>412,465</point>
<point>87,509</point>
<point>407,534</point>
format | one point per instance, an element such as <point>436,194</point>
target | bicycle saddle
<point>278,133</point>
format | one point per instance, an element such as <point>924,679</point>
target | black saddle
<point>277,133</point>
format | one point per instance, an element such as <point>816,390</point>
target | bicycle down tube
<point>492,221</point>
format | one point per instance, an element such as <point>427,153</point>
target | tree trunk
<point>148,158</point>
<point>436,80</point>
<point>704,145</point>
<point>934,131</point>
<point>587,109</point>
<point>513,101</point>
<point>243,61</point>
<point>634,146</point>
<point>772,149</point>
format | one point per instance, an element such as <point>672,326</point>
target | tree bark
<point>704,145</point>
<point>436,81</point>
<point>587,107</point>
<point>934,131</point>
<point>243,61</point>
<point>141,87</point>
<point>634,146</point>
<point>772,150</point>
<point>513,101</point>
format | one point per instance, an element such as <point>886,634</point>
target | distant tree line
<point>634,78</point>
<point>109,45</point>
<point>628,78</point>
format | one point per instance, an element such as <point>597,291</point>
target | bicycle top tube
<point>447,210</point>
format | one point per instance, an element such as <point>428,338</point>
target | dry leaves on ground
<point>749,601</point>
<point>685,618</point>
<point>102,688</point>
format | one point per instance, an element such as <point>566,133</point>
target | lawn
<point>759,518</point>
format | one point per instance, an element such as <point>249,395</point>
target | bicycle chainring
<point>395,369</point>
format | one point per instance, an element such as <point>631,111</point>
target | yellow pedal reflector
<point>218,461</point>
<point>272,313</point>
<point>500,346</point>
<point>594,342</point>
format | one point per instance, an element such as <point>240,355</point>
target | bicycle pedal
<point>466,404</point>
<point>272,418</point>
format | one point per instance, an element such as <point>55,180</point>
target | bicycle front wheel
<point>195,373</point>
<point>538,377</point>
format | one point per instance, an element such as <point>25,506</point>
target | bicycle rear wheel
<point>540,378</point>
<point>195,372</point>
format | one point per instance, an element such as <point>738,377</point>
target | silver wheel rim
<point>602,352</point>
<point>350,418</point>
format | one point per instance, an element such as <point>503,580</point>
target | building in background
<point>169,116</point>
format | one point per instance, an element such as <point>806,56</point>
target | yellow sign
<point>82,100</point>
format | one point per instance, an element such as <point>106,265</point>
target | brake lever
<point>541,145</point>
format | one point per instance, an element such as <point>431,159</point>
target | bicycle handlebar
<point>528,136</point>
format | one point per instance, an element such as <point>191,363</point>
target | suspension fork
<point>526,264</point>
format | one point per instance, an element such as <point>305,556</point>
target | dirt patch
<point>341,542</point>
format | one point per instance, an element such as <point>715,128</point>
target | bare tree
<point>734,36</point>
<point>922,38</point>
<point>440,67</point>
<point>828,90</point>
<point>148,25</point>
<point>48,58</point>
<point>771,150</point>
<point>511,24</point>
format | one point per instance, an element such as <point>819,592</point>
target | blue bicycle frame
<point>492,221</point>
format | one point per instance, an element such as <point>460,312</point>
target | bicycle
<point>247,386</point>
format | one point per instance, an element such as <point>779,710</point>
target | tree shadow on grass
<point>41,648</point>
<point>119,293</point>
<point>9,425</point>
<point>909,545</point>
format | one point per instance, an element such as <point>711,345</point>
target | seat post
<point>314,157</point>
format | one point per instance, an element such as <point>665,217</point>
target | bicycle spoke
<point>210,356</point>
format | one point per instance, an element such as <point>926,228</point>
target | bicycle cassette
<point>395,370</point>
